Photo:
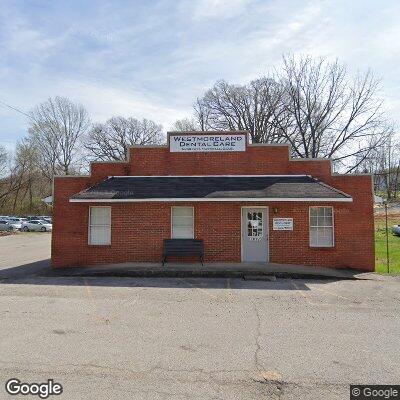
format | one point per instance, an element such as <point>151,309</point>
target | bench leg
<point>164,260</point>
<point>202,260</point>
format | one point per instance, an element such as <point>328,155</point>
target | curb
<point>156,273</point>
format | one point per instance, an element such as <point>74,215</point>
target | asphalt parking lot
<point>167,338</point>
<point>24,253</point>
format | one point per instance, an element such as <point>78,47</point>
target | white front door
<point>254,234</point>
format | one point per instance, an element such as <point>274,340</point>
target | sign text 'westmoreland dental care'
<point>204,143</point>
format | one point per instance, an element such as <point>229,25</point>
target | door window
<point>254,225</point>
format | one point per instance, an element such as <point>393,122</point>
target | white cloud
<point>218,8</point>
<point>101,101</point>
<point>104,101</point>
<point>23,39</point>
<point>252,52</point>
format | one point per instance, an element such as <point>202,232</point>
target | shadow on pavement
<point>26,270</point>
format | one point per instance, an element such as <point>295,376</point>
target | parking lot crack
<point>258,349</point>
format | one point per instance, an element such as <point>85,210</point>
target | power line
<point>15,109</point>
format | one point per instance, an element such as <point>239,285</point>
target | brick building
<point>247,202</point>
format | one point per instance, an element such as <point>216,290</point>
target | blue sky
<point>153,58</point>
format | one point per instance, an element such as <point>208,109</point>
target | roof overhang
<point>217,188</point>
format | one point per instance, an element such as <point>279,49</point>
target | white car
<point>44,217</point>
<point>6,226</point>
<point>37,225</point>
<point>16,222</point>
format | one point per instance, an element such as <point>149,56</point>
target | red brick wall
<point>138,228</point>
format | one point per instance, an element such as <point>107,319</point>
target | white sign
<point>282,224</point>
<point>206,143</point>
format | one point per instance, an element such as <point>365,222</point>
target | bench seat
<point>183,247</point>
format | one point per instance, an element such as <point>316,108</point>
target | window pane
<point>100,215</point>
<point>313,237</point>
<point>327,221</point>
<point>321,237</point>
<point>100,235</point>
<point>182,233</point>
<point>182,211</point>
<point>255,224</point>
<point>326,237</point>
<point>313,211</point>
<point>182,221</point>
<point>313,221</point>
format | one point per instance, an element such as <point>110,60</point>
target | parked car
<point>6,226</point>
<point>396,230</point>
<point>16,222</point>
<point>37,225</point>
<point>43,217</point>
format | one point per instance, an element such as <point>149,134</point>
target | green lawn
<point>380,245</point>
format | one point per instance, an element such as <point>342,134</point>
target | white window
<point>100,225</point>
<point>182,223</point>
<point>321,227</point>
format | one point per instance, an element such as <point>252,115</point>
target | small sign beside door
<point>282,224</point>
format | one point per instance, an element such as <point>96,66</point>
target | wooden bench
<point>183,247</point>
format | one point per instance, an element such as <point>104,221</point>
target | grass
<point>380,245</point>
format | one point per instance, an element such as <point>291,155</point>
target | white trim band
<point>208,176</point>
<point>213,199</point>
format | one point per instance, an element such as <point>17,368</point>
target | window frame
<point>310,226</point>
<point>90,226</point>
<point>172,221</point>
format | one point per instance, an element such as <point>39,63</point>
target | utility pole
<point>387,238</point>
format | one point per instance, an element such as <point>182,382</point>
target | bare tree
<point>186,125</point>
<point>331,115</point>
<point>383,163</point>
<point>55,129</point>
<point>201,112</point>
<point>255,107</point>
<point>26,173</point>
<point>313,104</point>
<point>111,140</point>
<point>4,156</point>
<point>23,185</point>
<point>5,183</point>
<point>16,180</point>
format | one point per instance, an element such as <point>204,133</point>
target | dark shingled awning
<point>210,188</point>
